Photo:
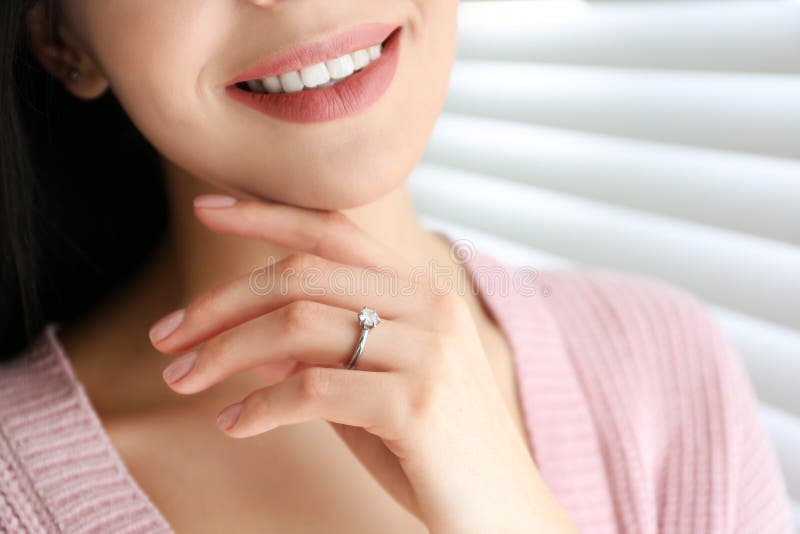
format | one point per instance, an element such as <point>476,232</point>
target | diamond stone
<point>368,318</point>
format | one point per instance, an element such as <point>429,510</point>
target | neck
<point>189,261</point>
<point>203,259</point>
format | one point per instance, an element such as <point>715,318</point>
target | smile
<point>323,74</point>
<point>325,80</point>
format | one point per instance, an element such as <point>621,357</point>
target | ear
<point>60,54</point>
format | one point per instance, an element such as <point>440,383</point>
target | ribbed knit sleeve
<point>729,436</point>
<point>759,499</point>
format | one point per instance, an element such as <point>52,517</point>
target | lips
<point>298,57</point>
<point>349,96</point>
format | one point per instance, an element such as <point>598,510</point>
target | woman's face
<point>168,63</point>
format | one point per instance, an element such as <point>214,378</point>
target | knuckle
<point>452,305</point>
<point>422,399</point>
<point>301,262</point>
<point>398,417</point>
<point>300,316</point>
<point>315,384</point>
<point>441,356</point>
<point>448,309</point>
<point>438,368</point>
<point>438,345</point>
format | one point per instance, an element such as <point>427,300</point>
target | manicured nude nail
<point>180,367</point>
<point>166,325</point>
<point>214,201</point>
<point>229,416</point>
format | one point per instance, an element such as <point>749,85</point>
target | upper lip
<point>350,40</point>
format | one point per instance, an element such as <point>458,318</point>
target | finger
<point>374,401</point>
<point>326,233</point>
<point>297,277</point>
<point>307,332</point>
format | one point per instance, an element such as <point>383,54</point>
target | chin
<point>355,182</point>
<point>342,193</point>
<point>328,190</point>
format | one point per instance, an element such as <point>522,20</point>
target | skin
<point>442,437</point>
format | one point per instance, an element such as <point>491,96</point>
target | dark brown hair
<point>82,200</point>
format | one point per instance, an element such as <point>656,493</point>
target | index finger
<point>326,233</point>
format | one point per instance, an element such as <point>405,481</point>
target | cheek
<point>424,73</point>
<point>422,83</point>
<point>153,54</point>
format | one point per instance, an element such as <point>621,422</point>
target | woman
<point>590,400</point>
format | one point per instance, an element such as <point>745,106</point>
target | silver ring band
<point>367,320</point>
<point>362,340</point>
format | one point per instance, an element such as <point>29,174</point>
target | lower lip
<point>349,96</point>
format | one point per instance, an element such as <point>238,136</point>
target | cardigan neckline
<point>538,356</point>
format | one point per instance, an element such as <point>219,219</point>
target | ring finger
<point>237,301</point>
<point>303,331</point>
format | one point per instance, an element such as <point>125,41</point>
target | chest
<point>298,478</point>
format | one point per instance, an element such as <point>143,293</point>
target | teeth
<point>360,59</point>
<point>256,86</point>
<point>314,75</point>
<point>273,84</point>
<point>374,52</point>
<point>323,74</point>
<point>340,67</point>
<point>291,81</point>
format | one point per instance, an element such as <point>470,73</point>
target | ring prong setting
<point>368,318</point>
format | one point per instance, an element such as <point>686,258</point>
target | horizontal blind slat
<point>752,275</point>
<point>752,36</point>
<point>750,194</point>
<point>736,112</point>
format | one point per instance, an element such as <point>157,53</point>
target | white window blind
<point>653,137</point>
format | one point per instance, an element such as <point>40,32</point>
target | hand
<point>421,410</point>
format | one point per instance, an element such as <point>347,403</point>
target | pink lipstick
<point>348,96</point>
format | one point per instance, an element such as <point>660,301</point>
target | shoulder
<point>659,334</point>
<point>615,293</point>
<point>613,321</point>
<point>645,336</point>
<point>633,315</point>
<point>667,386</point>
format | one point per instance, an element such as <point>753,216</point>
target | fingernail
<point>166,325</point>
<point>229,416</point>
<point>180,367</point>
<point>214,201</point>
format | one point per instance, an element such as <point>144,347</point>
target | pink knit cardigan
<point>640,414</point>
